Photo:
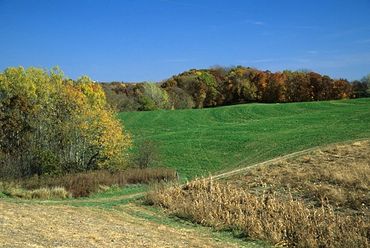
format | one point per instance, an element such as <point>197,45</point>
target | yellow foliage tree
<point>50,124</point>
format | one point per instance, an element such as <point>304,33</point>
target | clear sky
<point>139,40</point>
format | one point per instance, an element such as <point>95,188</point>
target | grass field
<point>199,142</point>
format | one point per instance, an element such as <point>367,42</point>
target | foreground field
<point>115,218</point>
<point>279,201</point>
<point>197,142</point>
<point>25,225</point>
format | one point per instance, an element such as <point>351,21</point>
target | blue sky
<point>141,40</point>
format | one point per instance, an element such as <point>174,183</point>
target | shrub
<point>85,183</point>
<point>149,175</point>
<point>147,155</point>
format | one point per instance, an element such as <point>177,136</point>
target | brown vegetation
<point>291,203</point>
<point>267,217</point>
<point>150,175</point>
<point>86,183</point>
<point>338,174</point>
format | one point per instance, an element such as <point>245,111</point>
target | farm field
<point>198,142</point>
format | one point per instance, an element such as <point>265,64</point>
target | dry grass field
<point>337,174</point>
<point>34,225</point>
<point>320,199</point>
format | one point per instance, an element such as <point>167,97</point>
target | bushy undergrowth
<point>149,175</point>
<point>267,217</point>
<point>84,183</point>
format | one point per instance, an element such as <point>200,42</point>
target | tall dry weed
<point>85,183</point>
<point>266,217</point>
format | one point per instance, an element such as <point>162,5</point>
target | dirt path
<point>32,225</point>
<point>93,200</point>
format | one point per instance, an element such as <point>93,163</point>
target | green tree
<point>156,95</point>
<point>360,89</point>
<point>366,80</point>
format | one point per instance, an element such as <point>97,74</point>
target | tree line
<point>224,86</point>
<point>52,125</point>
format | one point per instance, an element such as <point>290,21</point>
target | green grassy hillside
<point>197,142</point>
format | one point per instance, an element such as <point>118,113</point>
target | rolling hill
<point>201,141</point>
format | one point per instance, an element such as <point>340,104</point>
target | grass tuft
<point>14,190</point>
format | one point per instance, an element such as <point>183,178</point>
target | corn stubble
<point>281,221</point>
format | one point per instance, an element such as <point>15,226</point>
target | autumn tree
<point>199,84</point>
<point>194,86</point>
<point>239,88</point>
<point>276,89</point>
<point>341,89</point>
<point>261,81</point>
<point>119,96</point>
<point>53,125</point>
<point>298,87</point>
<point>327,89</point>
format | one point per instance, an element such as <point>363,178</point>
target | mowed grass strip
<point>197,142</point>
